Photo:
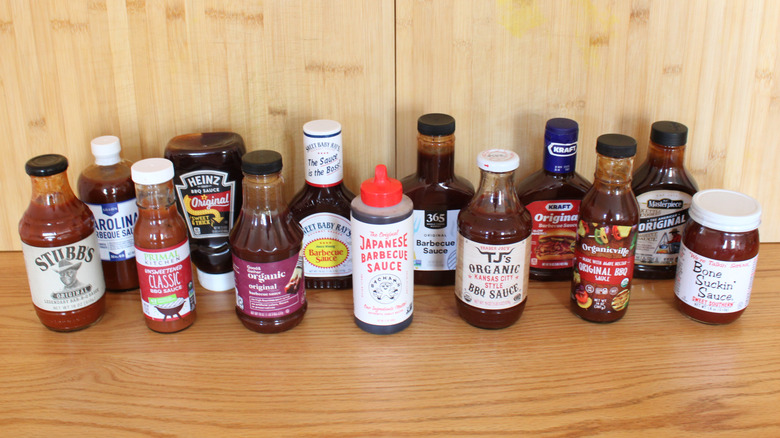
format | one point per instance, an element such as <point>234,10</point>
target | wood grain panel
<point>502,68</point>
<point>148,70</point>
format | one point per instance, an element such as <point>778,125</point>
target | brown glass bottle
<point>322,206</point>
<point>266,245</point>
<point>494,229</point>
<point>552,195</point>
<point>663,188</point>
<point>606,235</point>
<point>61,250</point>
<point>438,196</point>
<point>108,190</point>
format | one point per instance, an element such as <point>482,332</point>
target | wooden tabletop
<point>654,373</point>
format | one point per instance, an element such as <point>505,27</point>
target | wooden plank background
<point>149,70</point>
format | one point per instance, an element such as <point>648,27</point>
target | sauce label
<point>206,198</point>
<point>713,285</point>
<point>492,276</point>
<point>165,278</point>
<point>269,290</point>
<point>114,224</point>
<point>323,159</point>
<point>554,233</point>
<point>603,266</point>
<point>435,240</point>
<point>383,275</point>
<point>327,238</point>
<point>662,216</point>
<point>65,278</point>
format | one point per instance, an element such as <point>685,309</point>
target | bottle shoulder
<point>263,238</point>
<point>311,199</point>
<point>454,193</point>
<point>543,185</point>
<point>106,184</point>
<point>610,205</point>
<point>56,224</point>
<point>649,178</point>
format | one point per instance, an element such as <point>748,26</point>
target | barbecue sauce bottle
<point>663,188</point>
<point>321,207</point>
<point>266,244</point>
<point>438,196</point>
<point>494,244</point>
<point>606,235</point>
<point>552,195</point>
<point>162,250</point>
<point>61,250</point>
<point>108,190</point>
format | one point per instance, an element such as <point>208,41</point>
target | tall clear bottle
<point>438,196</point>
<point>321,207</point>
<point>266,244</point>
<point>606,235</point>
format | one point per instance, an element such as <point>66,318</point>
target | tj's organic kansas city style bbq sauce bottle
<point>162,251</point>
<point>61,250</point>
<point>438,196</point>
<point>266,244</point>
<point>108,190</point>
<point>208,187</point>
<point>322,209</point>
<point>663,189</point>
<point>552,196</point>
<point>494,244</point>
<point>606,235</point>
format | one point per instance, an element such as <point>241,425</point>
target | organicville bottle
<point>322,209</point>
<point>61,250</point>
<point>208,187</point>
<point>606,235</point>
<point>438,196</point>
<point>494,244</point>
<point>383,275</point>
<point>552,195</point>
<point>663,188</point>
<point>266,244</point>
<point>162,250</point>
<point>108,190</point>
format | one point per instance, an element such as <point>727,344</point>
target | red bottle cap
<point>381,190</point>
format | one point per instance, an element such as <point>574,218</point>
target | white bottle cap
<point>498,160</point>
<point>321,128</point>
<point>217,282</point>
<point>725,210</point>
<point>152,171</point>
<point>106,150</point>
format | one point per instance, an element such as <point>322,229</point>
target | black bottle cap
<point>261,162</point>
<point>46,165</point>
<point>616,145</point>
<point>436,124</point>
<point>668,133</point>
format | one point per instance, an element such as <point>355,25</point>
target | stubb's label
<point>662,216</point>
<point>435,240</point>
<point>554,232</point>
<point>114,224</point>
<point>269,290</point>
<point>323,159</point>
<point>383,275</point>
<point>492,276</point>
<point>603,266</point>
<point>327,238</point>
<point>206,198</point>
<point>65,278</point>
<point>713,285</point>
<point>165,278</point>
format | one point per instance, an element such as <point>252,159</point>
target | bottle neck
<point>107,160</point>
<point>496,193</point>
<point>436,157</point>
<point>613,171</point>
<point>263,194</point>
<point>155,196</point>
<point>50,190</point>
<point>665,156</point>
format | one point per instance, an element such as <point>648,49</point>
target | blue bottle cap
<point>560,145</point>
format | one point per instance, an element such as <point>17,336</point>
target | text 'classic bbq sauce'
<point>60,249</point>
<point>552,196</point>
<point>491,279</point>
<point>208,188</point>
<point>438,196</point>
<point>663,188</point>
<point>606,235</point>
<point>321,207</point>
<point>266,242</point>
<point>108,190</point>
<point>718,256</point>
